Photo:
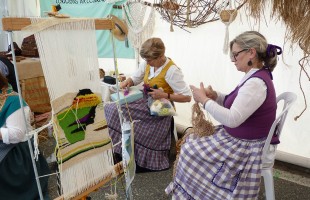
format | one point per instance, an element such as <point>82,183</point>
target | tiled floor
<point>291,182</point>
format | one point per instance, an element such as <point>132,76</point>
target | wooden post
<point>18,23</point>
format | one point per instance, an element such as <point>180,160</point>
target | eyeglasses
<point>235,55</point>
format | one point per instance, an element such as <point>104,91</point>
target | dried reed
<point>201,126</point>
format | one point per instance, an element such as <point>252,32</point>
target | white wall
<point>201,58</point>
<point>3,35</point>
<point>21,8</point>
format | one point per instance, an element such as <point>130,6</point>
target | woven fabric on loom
<point>68,54</point>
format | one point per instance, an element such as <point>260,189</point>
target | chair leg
<point>175,133</point>
<point>268,182</point>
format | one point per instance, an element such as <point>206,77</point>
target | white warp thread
<point>75,177</point>
<point>68,55</point>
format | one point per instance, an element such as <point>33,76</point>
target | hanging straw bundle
<point>170,5</point>
<point>171,8</point>
<point>296,16</point>
<point>255,7</point>
<point>201,128</point>
<point>228,15</point>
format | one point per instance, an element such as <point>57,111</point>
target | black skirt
<point>17,179</point>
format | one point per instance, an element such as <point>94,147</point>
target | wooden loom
<point>18,23</point>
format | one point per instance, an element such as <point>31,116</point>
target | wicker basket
<point>35,93</point>
<point>226,14</point>
<point>29,47</point>
<point>170,5</point>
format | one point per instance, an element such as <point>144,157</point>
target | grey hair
<point>253,39</point>
<point>152,48</point>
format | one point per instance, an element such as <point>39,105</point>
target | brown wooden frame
<point>18,23</point>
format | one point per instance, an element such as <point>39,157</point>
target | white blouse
<point>14,129</point>
<point>174,77</point>
<point>250,97</point>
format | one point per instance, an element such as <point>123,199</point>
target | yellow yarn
<point>87,100</point>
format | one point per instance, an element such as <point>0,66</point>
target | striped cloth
<point>152,134</point>
<point>217,167</point>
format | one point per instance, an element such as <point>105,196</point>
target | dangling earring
<point>250,63</point>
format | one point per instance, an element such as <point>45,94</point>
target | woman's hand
<point>199,94</point>
<point>158,93</point>
<point>126,84</point>
<point>210,93</point>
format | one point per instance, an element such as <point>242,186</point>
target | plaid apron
<point>218,167</point>
<point>152,134</point>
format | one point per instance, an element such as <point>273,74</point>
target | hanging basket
<point>228,15</point>
<point>170,5</point>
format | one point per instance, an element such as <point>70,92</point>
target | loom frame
<point>10,24</point>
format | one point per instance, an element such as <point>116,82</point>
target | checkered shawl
<point>152,133</point>
<point>218,167</point>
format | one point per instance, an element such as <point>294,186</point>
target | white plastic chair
<point>268,156</point>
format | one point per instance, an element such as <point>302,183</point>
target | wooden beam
<point>118,168</point>
<point>17,23</point>
<point>145,3</point>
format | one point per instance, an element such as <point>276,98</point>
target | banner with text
<point>94,9</point>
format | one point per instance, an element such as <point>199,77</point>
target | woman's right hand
<point>211,93</point>
<point>126,84</point>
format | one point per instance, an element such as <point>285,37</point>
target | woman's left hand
<point>157,93</point>
<point>199,94</point>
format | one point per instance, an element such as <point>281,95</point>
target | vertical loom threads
<point>78,178</point>
<point>68,55</point>
<point>73,62</point>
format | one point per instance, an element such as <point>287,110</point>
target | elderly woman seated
<point>152,134</point>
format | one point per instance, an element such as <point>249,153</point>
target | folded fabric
<point>133,95</point>
<point>109,79</point>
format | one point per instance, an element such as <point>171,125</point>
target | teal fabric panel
<point>11,105</point>
<point>94,9</point>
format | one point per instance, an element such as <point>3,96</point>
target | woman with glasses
<point>226,165</point>
<point>152,133</point>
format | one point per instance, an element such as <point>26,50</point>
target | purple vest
<point>257,126</point>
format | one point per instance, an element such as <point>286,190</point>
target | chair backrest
<point>288,99</point>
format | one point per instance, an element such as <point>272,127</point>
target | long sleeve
<point>250,97</point>
<point>14,129</point>
<point>220,98</point>
<point>138,75</point>
<point>174,78</point>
